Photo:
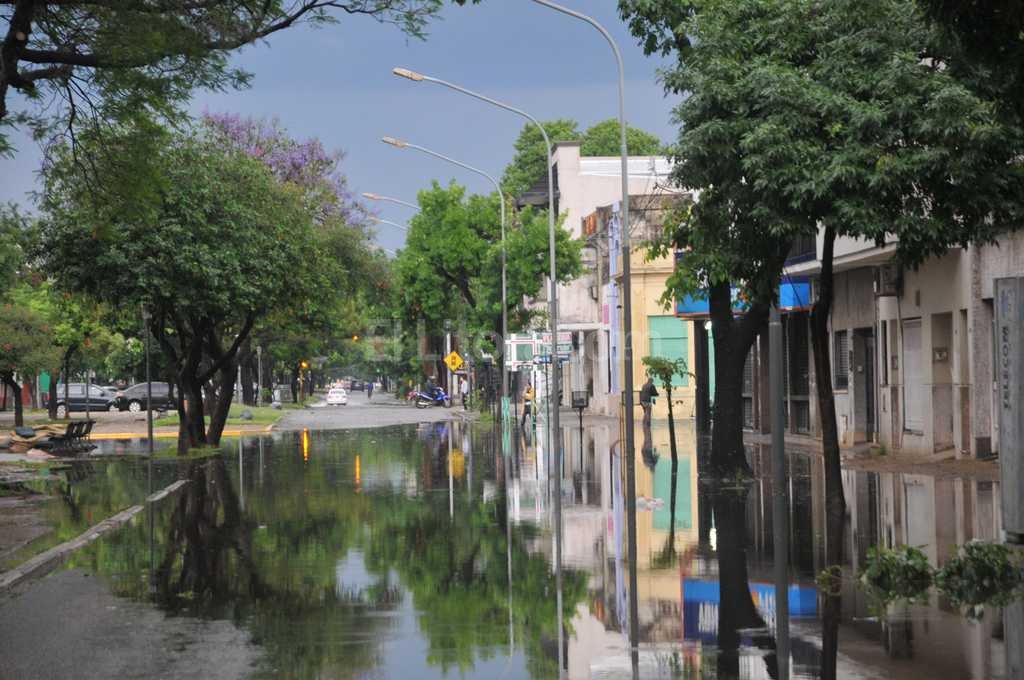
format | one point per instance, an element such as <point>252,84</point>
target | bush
<point>898,574</point>
<point>980,575</point>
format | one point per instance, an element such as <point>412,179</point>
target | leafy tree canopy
<point>106,60</point>
<point>450,269</point>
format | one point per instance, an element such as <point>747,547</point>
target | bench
<point>74,438</point>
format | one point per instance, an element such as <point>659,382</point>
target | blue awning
<point>794,296</point>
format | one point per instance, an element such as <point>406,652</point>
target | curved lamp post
<point>378,220</point>
<point>501,198</point>
<point>378,197</point>
<point>553,306</point>
<point>627,329</point>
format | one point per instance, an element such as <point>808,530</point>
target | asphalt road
<point>383,410</point>
<point>89,633</point>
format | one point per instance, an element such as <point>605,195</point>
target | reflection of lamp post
<point>259,375</point>
<point>149,382</point>
<point>627,328</point>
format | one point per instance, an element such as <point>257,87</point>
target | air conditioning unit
<point>888,280</point>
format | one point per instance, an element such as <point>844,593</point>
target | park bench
<point>74,438</point>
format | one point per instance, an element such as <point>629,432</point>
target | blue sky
<point>335,83</point>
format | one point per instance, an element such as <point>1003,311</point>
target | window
<point>76,390</point>
<point>841,361</point>
<point>669,340</point>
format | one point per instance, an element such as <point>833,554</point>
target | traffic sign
<point>453,361</point>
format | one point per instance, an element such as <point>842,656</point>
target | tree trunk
<point>19,415</point>
<point>671,429</point>
<point>835,504</point>
<point>736,609</point>
<point>295,385</point>
<point>733,340</point>
<point>68,353</point>
<point>51,400</point>
<point>222,405</point>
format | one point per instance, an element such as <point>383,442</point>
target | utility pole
<point>780,509</point>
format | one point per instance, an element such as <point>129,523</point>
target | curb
<point>111,436</point>
<point>46,562</point>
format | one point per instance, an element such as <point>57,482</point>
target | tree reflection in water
<point>736,610</point>
<point>272,567</point>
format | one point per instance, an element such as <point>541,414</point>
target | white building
<point>582,184</point>
<point>912,351</point>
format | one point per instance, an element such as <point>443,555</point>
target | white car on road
<point>337,396</point>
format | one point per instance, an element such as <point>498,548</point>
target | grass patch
<point>261,415</point>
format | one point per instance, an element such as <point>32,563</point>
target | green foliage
<point>897,574</point>
<point>26,342</point>
<point>603,139</point>
<point>529,163</point>
<point>108,61</point>
<point>665,370</point>
<point>979,575</point>
<point>450,269</point>
<point>14,231</point>
<point>802,115</point>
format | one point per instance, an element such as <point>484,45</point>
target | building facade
<point>913,350</point>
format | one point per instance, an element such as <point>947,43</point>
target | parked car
<point>337,396</point>
<point>356,385</point>
<point>99,399</point>
<point>134,398</point>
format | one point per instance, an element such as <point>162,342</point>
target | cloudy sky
<point>335,83</point>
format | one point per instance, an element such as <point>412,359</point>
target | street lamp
<point>389,223</point>
<point>378,197</point>
<point>553,303</point>
<point>398,143</point>
<point>627,311</point>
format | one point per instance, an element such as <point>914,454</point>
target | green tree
<point>529,163</point>
<point>106,60</point>
<point>450,270</point>
<point>25,349</point>
<point>603,139</point>
<point>14,233</point>
<point>804,116</point>
<point>665,371</point>
<point>225,244</point>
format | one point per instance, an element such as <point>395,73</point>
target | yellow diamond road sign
<point>453,361</point>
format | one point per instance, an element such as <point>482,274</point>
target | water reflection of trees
<point>272,567</point>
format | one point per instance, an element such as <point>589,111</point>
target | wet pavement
<point>426,551</point>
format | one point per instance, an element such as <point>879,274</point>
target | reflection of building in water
<point>935,515</point>
<point>680,597</point>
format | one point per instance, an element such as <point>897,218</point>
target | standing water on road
<point>389,553</point>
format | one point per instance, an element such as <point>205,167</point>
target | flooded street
<point>427,551</point>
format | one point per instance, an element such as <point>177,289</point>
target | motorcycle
<point>438,398</point>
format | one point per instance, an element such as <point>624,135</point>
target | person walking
<point>464,391</point>
<point>527,404</point>
<point>647,394</point>
<point>369,389</point>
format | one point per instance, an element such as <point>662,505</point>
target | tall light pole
<point>378,220</point>
<point>501,198</point>
<point>627,328</point>
<point>149,384</point>
<point>553,303</point>
<point>398,201</point>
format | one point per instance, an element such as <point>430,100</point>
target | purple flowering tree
<point>343,225</point>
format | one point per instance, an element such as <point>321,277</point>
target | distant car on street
<point>337,396</point>
<point>133,398</point>
<point>356,385</point>
<point>99,399</point>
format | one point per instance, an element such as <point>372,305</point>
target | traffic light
<point>355,338</point>
<point>304,364</point>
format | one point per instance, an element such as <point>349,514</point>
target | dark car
<point>356,386</point>
<point>99,399</point>
<point>134,398</point>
